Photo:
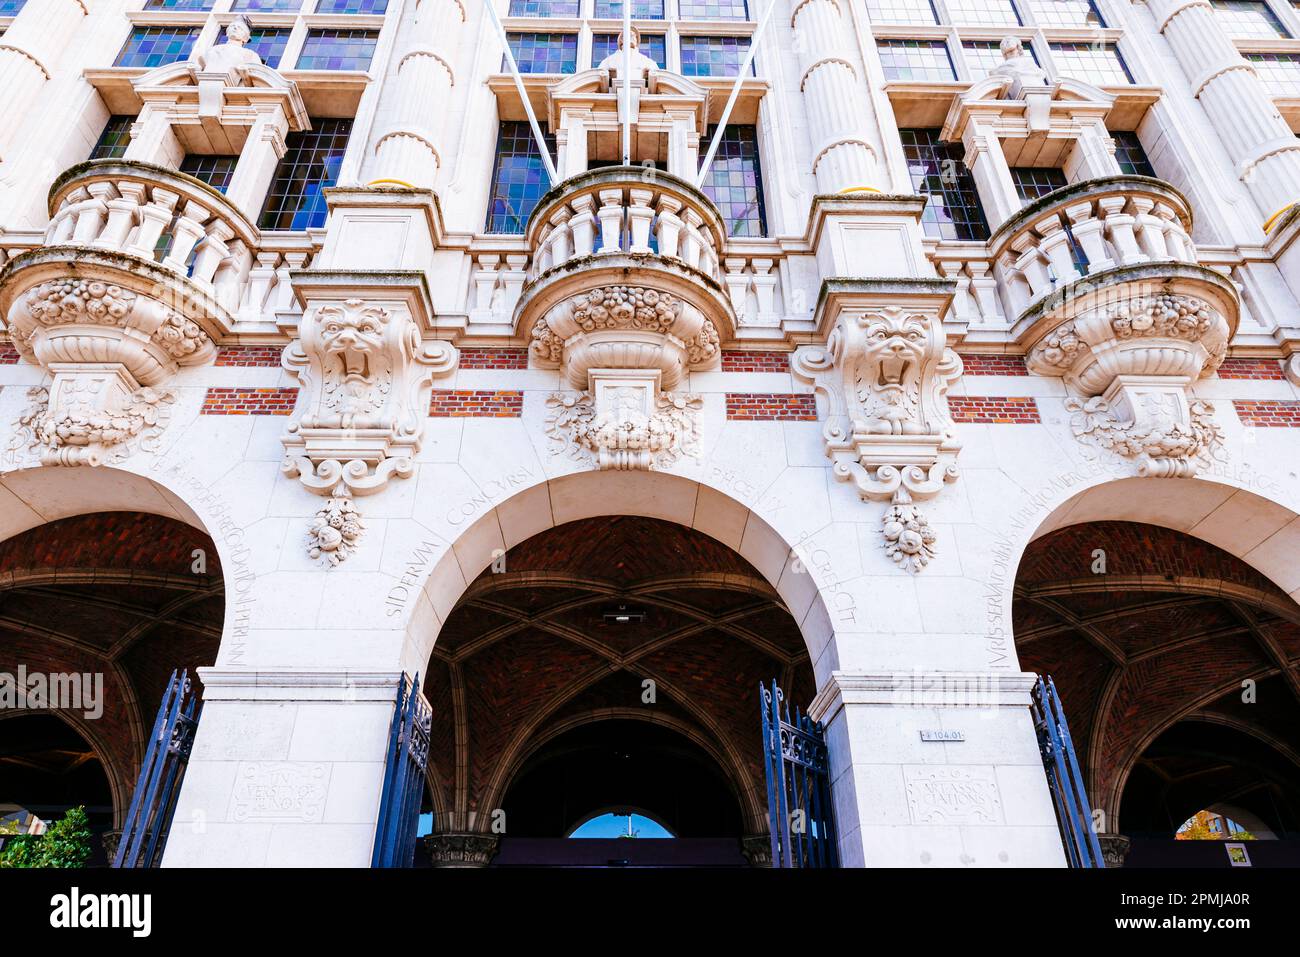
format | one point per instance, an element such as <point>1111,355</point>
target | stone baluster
<point>186,232</point>
<point>283,299</point>
<point>611,220</point>
<point>212,253</point>
<point>1150,230</point>
<point>154,218</point>
<point>639,215</point>
<point>65,220</point>
<point>962,305</point>
<point>1176,240</point>
<point>232,272</point>
<point>765,290</point>
<point>1056,247</point>
<point>693,246</point>
<point>512,284</point>
<point>91,213</point>
<point>669,229</point>
<point>1088,231</point>
<point>260,279</point>
<point>1119,227</point>
<point>583,225</point>
<point>485,285</point>
<point>737,283</point>
<point>985,290</point>
<point>559,240</point>
<point>1030,265</point>
<point>122,214</point>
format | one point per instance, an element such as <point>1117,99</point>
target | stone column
<point>29,52</point>
<point>1252,130</point>
<point>988,166</point>
<point>415,100</point>
<point>844,159</point>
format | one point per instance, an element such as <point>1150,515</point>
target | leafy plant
<point>65,843</point>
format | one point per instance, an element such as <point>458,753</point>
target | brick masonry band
<point>1245,368</point>
<point>8,354</point>
<point>466,403</point>
<point>1269,413</point>
<point>783,406</point>
<point>249,401</point>
<point>493,359</point>
<point>740,360</point>
<point>973,364</point>
<point>249,356</point>
<point>994,409</point>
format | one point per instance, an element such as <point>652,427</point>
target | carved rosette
<point>885,372</point>
<point>110,350</point>
<point>626,349</point>
<point>365,376</point>
<point>1128,365</point>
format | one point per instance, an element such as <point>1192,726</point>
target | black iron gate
<point>408,755</point>
<point>149,819</point>
<point>800,815</point>
<point>1073,812</point>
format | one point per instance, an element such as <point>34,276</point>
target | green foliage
<point>65,843</point>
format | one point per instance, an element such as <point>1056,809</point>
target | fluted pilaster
<point>29,50</point>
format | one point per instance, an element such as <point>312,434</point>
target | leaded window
<point>267,42</point>
<point>543,52</point>
<point>653,45</point>
<point>1130,155</point>
<point>337,50</point>
<point>735,181</point>
<point>150,47</point>
<point>216,171</point>
<point>519,179</point>
<point>1065,13</point>
<point>918,60</point>
<point>713,9</point>
<point>544,8</point>
<point>310,164</point>
<point>641,9</point>
<point>714,56</point>
<point>1249,19</point>
<point>1033,182</point>
<point>902,11</point>
<point>983,13</point>
<point>11,8</point>
<point>267,6</point>
<point>114,139</point>
<point>938,171</point>
<point>1098,63</point>
<point>1279,71</point>
<point>193,5</point>
<point>351,6</point>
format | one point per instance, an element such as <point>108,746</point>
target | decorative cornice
<point>967,690</point>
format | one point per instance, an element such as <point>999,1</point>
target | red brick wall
<point>737,360</point>
<point>994,365</point>
<point>785,406</point>
<point>465,403</point>
<point>1269,413</point>
<point>494,358</point>
<point>249,355</point>
<point>1244,368</point>
<point>994,409</point>
<point>8,354</point>
<point>249,401</point>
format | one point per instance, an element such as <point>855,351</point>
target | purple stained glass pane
<point>714,56</point>
<point>641,9</point>
<point>266,42</point>
<point>519,179</point>
<point>338,50</point>
<point>543,52</point>
<point>735,181</point>
<point>311,163</point>
<point>544,8</point>
<point>149,47</point>
<point>351,6</point>
<point>652,45</point>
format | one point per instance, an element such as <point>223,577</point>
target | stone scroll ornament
<point>111,351</point>
<point>885,374</point>
<point>1128,366</point>
<point>365,375</point>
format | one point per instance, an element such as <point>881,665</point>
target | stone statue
<point>231,56</point>
<point>641,64</point>
<point>1018,65</point>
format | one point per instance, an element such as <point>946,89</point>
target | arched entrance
<point>609,663</point>
<point>1178,663</point>
<point>96,611</point>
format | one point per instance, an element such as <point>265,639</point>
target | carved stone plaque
<point>943,795</point>
<point>280,791</point>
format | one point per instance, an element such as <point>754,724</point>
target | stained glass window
<point>267,6</point>
<point>1035,181</point>
<point>311,163</point>
<point>10,8</point>
<point>216,171</point>
<point>114,139</point>
<point>953,209</point>
<point>1279,71</point>
<point>982,12</point>
<point>266,42</point>
<point>641,9</point>
<point>714,56</point>
<point>735,181</point>
<point>1065,13</point>
<point>337,50</point>
<point>920,60</point>
<point>544,8</point>
<point>1250,19</point>
<point>713,9</point>
<point>901,11</point>
<point>149,47</point>
<point>652,45</point>
<point>544,52</point>
<point>179,4</point>
<point>1092,62</point>
<point>1130,155</point>
<point>351,6</point>
<point>519,179</point>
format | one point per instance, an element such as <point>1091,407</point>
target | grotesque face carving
<point>889,371</point>
<point>351,337</point>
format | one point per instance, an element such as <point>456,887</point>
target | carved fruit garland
<point>336,529</point>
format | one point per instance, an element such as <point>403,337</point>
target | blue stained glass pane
<point>10,8</point>
<point>735,181</point>
<point>267,6</point>
<point>216,171</point>
<point>543,52</point>
<point>311,163</point>
<point>266,42</point>
<point>939,172</point>
<point>641,9</point>
<point>351,6</point>
<point>179,4</point>
<point>338,50</point>
<point>519,179</point>
<point>157,46</point>
<point>714,56</point>
<point>115,138</point>
<point>543,8</point>
<point>713,10</point>
<point>652,45</point>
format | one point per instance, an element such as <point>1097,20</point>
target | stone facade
<point>364,415</point>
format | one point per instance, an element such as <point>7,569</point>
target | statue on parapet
<point>232,56</point>
<point>1019,65</point>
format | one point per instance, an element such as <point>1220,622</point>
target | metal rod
<point>523,93</point>
<point>627,82</point>
<point>735,93</point>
